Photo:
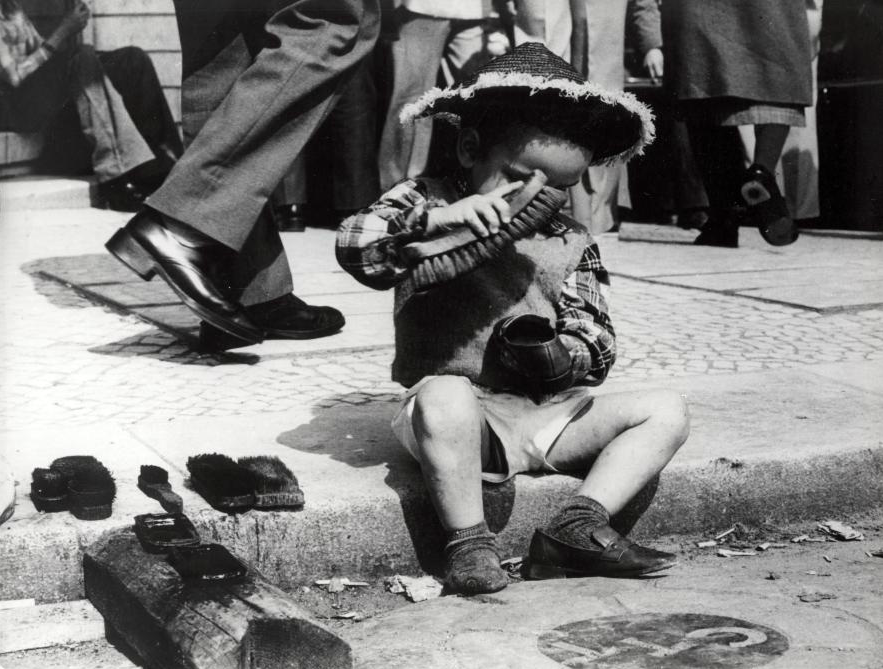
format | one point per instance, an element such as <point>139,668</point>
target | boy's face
<point>561,161</point>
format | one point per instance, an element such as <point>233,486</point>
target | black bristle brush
<point>222,482</point>
<point>49,490</point>
<point>275,485</point>
<point>71,464</point>
<point>154,482</point>
<point>438,259</point>
<point>91,491</point>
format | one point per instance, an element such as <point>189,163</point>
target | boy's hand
<point>483,214</point>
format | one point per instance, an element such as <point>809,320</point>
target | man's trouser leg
<point>605,19</point>
<point>416,56</point>
<point>117,146</point>
<point>133,75</point>
<point>255,90</point>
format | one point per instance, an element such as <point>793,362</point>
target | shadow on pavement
<point>357,433</point>
<point>76,282</point>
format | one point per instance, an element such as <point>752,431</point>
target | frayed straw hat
<point>616,124</point>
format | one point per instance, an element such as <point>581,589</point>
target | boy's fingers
<point>474,222</point>
<point>489,215</point>
<point>502,208</point>
<point>505,189</point>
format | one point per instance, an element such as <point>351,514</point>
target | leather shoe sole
<point>126,247</point>
<point>613,556</point>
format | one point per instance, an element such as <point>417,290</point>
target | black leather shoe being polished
<point>189,263</point>
<point>610,554</point>
<point>286,317</point>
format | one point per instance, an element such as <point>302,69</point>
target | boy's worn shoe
<point>472,566</point>
<point>608,554</point>
<point>286,317</point>
<point>767,207</point>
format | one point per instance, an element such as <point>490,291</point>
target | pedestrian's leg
<point>288,72</point>
<point>117,146</point>
<point>416,56</point>
<point>352,128</point>
<point>465,52</point>
<point>759,191</point>
<point>448,424</point>
<point>769,140</point>
<point>625,440</point>
<point>309,48</point>
<point>691,202</point>
<point>133,75</point>
<point>718,159</point>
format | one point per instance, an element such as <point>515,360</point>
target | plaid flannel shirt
<point>368,244</point>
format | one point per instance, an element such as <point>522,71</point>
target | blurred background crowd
<point>95,89</point>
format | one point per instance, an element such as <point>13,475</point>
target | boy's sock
<point>576,521</point>
<point>472,565</point>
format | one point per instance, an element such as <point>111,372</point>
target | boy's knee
<point>670,408</point>
<point>443,403</point>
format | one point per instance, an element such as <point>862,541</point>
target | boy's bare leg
<point>447,423</point>
<point>624,440</point>
<point>630,436</point>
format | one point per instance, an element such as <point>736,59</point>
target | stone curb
<point>373,536</point>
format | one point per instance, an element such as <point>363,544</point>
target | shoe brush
<point>223,483</point>
<point>154,482</point>
<point>91,491</point>
<point>49,490</point>
<point>275,485</point>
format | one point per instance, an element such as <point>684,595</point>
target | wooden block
<point>171,624</point>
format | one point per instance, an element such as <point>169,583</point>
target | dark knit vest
<point>446,330</point>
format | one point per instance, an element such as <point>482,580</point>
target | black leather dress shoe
<point>610,554</point>
<point>720,229</point>
<point>191,263</point>
<point>121,194</point>
<point>286,317</point>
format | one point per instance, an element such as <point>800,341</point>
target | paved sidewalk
<point>784,374</point>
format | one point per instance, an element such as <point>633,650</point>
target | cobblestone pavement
<point>67,361</point>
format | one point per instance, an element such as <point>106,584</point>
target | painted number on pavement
<point>662,641</point>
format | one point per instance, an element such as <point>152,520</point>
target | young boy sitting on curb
<point>474,410</point>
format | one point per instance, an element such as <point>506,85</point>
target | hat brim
<point>624,124</point>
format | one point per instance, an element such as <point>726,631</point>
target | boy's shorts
<point>525,432</point>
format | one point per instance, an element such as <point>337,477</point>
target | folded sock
<point>577,519</point>
<point>479,530</point>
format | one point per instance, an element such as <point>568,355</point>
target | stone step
<point>367,513</point>
<point>33,193</point>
